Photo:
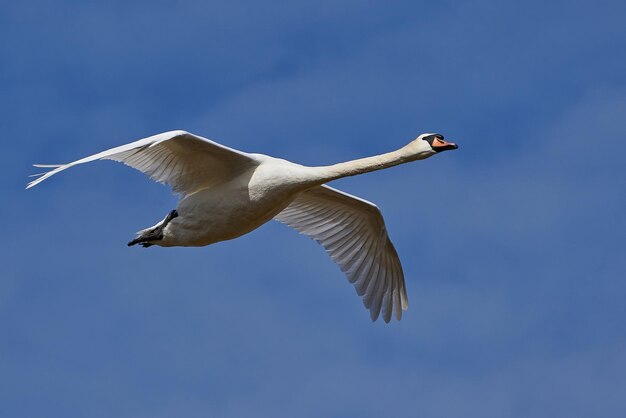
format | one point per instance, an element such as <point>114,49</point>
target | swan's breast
<point>236,207</point>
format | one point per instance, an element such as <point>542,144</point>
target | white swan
<point>225,193</point>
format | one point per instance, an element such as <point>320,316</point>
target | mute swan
<point>225,193</point>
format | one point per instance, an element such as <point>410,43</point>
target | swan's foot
<point>154,234</point>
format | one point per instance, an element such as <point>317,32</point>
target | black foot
<point>154,234</point>
<point>173,214</point>
<point>143,240</point>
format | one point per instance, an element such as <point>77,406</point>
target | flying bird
<point>225,193</point>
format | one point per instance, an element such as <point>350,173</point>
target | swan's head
<point>427,145</point>
<point>436,143</point>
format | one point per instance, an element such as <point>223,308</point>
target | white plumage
<point>225,193</point>
<point>184,161</point>
<point>353,233</point>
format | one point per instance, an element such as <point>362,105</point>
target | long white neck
<point>411,152</point>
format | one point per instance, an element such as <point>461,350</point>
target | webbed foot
<point>154,234</point>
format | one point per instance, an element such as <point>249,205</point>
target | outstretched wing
<point>185,161</point>
<point>353,232</point>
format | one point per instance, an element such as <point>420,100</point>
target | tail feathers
<point>42,176</point>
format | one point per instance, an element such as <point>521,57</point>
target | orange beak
<point>441,145</point>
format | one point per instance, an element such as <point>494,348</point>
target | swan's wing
<point>353,232</point>
<point>184,161</point>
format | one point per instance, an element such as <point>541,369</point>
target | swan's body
<point>233,207</point>
<point>227,193</point>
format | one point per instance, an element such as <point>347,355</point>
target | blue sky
<point>516,300</point>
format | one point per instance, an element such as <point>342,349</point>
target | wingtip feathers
<point>42,176</point>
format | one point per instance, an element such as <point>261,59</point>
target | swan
<point>225,193</point>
